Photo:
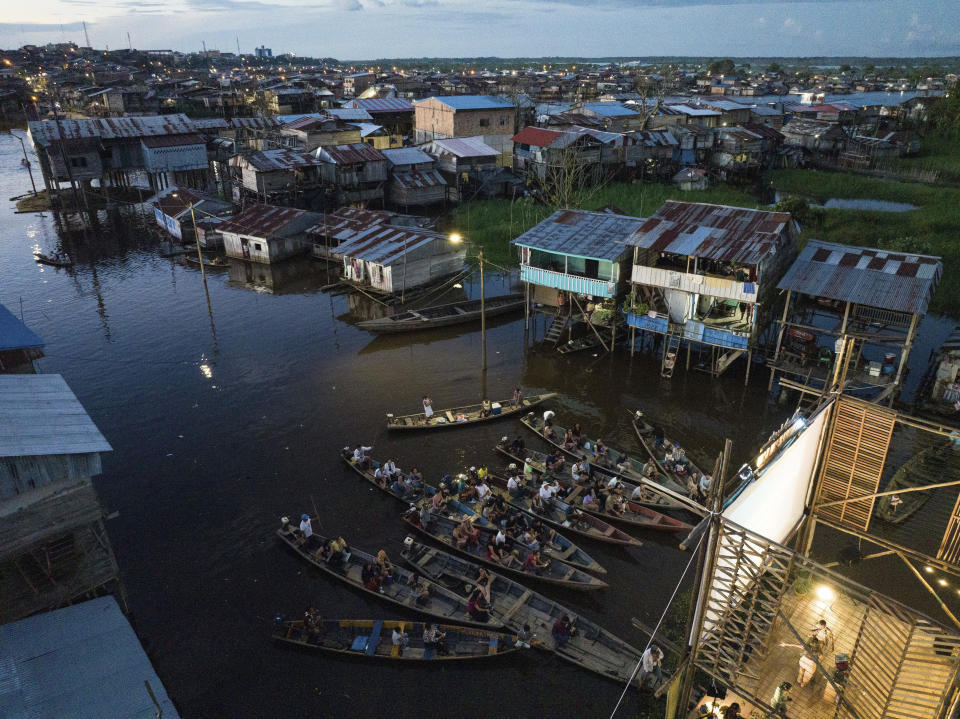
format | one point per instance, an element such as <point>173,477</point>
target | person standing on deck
<point>808,668</point>
<point>306,529</point>
<point>650,666</point>
<point>517,396</point>
<point>427,407</point>
<point>360,457</point>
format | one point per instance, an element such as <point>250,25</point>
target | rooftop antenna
<point>204,46</point>
<point>86,35</point>
<point>129,42</point>
<point>239,54</point>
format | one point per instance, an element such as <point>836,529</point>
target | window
<point>503,121</point>
<point>257,246</point>
<point>484,122</point>
<point>78,162</point>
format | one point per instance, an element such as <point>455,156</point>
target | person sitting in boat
<point>482,490</point>
<point>544,534</point>
<point>471,533</point>
<point>895,503</point>
<point>562,631</point>
<point>534,564</point>
<point>478,607</point>
<point>517,396</point>
<point>613,483</point>
<point>371,578</point>
<point>486,408</point>
<point>528,469</point>
<point>360,457</point>
<point>400,639</point>
<point>495,553</point>
<point>416,480</point>
<point>579,471</point>
<point>590,499</point>
<point>483,582</point>
<point>419,588</point>
<point>693,486</point>
<point>569,443</point>
<point>325,553</point>
<point>380,477</point>
<point>427,407</point>
<point>548,432</point>
<point>385,567</point>
<point>548,416</point>
<point>439,500</point>
<point>641,494</point>
<point>650,469</point>
<point>577,433</point>
<point>668,459</point>
<point>601,453</point>
<point>614,505</point>
<point>434,639</point>
<point>502,541</point>
<point>312,621</point>
<point>704,485</point>
<point>624,465</point>
<point>518,447</point>
<point>390,470</point>
<point>401,486</point>
<point>529,538</point>
<point>340,553</point>
<point>514,485</point>
<point>650,667</point>
<point>459,536</point>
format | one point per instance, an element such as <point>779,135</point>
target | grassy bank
<point>493,223</point>
<point>938,151</point>
<point>933,228</point>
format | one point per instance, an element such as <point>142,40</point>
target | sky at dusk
<point>369,29</point>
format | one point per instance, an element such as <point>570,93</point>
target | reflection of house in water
<point>298,276</point>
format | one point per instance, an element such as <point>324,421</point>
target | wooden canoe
<point>632,477</point>
<point>209,264</point>
<point>514,606</point>
<point>557,573</point>
<point>647,434</point>
<point>634,514</point>
<point>461,416</point>
<point>53,261</point>
<point>346,454</point>
<point>442,603</point>
<point>443,315</point>
<point>374,638</point>
<point>925,467</point>
<point>565,516</point>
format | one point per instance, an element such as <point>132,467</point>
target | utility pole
<point>129,41</point>
<point>483,317</point>
<point>26,160</point>
<point>86,35</point>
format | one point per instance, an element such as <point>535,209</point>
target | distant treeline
<point>836,61</point>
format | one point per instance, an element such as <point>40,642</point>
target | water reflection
<point>297,276</point>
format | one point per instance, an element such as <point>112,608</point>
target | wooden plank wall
<point>853,463</point>
<point>949,550</point>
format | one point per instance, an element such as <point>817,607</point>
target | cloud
<point>349,5</point>
<point>40,26</point>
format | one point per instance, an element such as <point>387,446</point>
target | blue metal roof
<point>14,335</point>
<point>609,109</point>
<point>472,102</point>
<point>579,233</point>
<point>80,662</point>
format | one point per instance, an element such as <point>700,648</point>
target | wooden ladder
<point>555,329</point>
<point>671,348</point>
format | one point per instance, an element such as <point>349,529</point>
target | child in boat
<point>534,564</point>
<point>562,631</point>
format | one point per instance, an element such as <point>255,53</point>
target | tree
<point>944,115</point>
<point>775,67</point>
<point>845,68</point>
<point>722,67</point>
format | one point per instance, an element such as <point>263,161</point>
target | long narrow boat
<point>564,550</point>
<point>374,638</point>
<point>925,467</point>
<point>62,261</point>
<point>218,263</point>
<point>561,514</point>
<point>634,513</point>
<point>469,414</point>
<point>443,315</point>
<point>656,443</point>
<point>534,423</point>
<point>514,606</point>
<point>442,603</point>
<point>561,574</point>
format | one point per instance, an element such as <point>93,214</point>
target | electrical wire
<point>657,628</point>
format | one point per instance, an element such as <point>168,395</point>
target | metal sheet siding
<point>591,235</point>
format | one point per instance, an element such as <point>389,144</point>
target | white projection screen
<point>773,505</point>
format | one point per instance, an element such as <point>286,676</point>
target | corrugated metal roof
<point>693,111</point>
<point>14,335</point>
<point>44,132</point>
<point>351,114</point>
<point>39,414</point>
<point>173,140</point>
<point>466,147</point>
<point>471,102</point>
<point>81,662</point>
<point>374,105</point>
<point>356,153</point>
<point>256,123</point>
<point>609,109</point>
<point>594,235</point>
<point>282,158</point>
<point>384,243</point>
<point>896,281</point>
<point>343,223</point>
<point>261,220</point>
<point>417,180</point>
<point>714,232</point>
<point>406,156</point>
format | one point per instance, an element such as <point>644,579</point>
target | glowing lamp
<point>825,594</point>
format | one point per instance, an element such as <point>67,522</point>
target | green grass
<point>934,228</point>
<point>939,152</point>
<point>493,223</point>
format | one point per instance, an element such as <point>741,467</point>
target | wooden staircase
<point>555,329</point>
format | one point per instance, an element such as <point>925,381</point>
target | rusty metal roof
<point>537,136</point>
<point>262,220</point>
<point>44,132</point>
<point>173,140</point>
<point>715,232</point>
<point>341,224</point>
<point>356,153</point>
<point>383,243</point>
<point>897,281</point>
<point>418,180</point>
<point>579,233</point>
<point>255,123</point>
<point>282,158</point>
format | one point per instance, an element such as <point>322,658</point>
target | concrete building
<point>466,116</point>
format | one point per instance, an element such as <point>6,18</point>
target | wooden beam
<point>930,589</point>
<point>888,493</point>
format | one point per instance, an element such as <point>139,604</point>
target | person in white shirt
<point>706,482</point>
<point>578,471</point>
<point>427,407</point>
<point>555,488</point>
<point>651,666</point>
<point>545,491</point>
<point>306,529</point>
<point>380,476</point>
<point>513,485</point>
<point>389,469</point>
<point>808,668</point>
<point>482,490</point>
<point>501,538</point>
<point>360,456</point>
<point>548,415</point>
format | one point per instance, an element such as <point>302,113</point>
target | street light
<point>456,239</point>
<point>26,161</point>
<point>196,237</point>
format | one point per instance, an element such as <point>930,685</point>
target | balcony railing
<point>695,284</point>
<point>570,283</point>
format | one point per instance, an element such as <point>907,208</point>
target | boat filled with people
<point>486,411</point>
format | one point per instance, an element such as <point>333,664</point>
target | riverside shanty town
<point>556,360</point>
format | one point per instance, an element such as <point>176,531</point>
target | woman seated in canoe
<point>534,563</point>
<point>569,443</point>
<point>624,465</point>
<point>470,532</point>
<point>613,505</point>
<point>577,433</point>
<point>478,608</point>
<point>385,567</point>
<point>601,453</point>
<point>440,500</point>
<point>380,477</point>
<point>483,583</point>
<point>371,578</point>
<point>650,469</point>
<point>416,479</point>
<point>548,432</point>
<point>325,552</point>
<point>545,535</point>
<point>590,500</point>
<point>486,409</point>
